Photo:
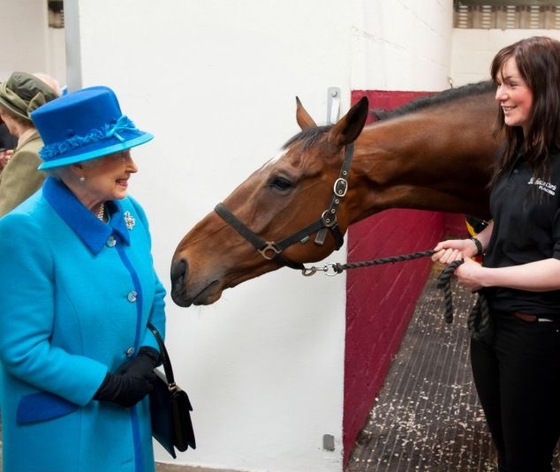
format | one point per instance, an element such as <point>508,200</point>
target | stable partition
<point>381,299</point>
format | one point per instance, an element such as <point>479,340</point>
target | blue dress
<point>75,298</point>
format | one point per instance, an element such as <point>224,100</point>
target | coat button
<point>111,242</point>
<point>132,296</point>
<point>130,352</point>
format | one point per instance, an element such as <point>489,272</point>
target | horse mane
<point>308,137</point>
<point>435,99</point>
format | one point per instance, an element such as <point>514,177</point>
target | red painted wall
<point>381,299</point>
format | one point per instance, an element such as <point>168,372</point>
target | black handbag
<point>170,407</point>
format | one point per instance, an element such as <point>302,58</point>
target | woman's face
<point>514,95</point>
<point>105,178</point>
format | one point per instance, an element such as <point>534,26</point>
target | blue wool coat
<point>75,298</point>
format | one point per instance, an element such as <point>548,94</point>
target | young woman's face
<point>514,95</point>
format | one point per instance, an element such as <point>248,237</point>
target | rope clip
<point>328,269</point>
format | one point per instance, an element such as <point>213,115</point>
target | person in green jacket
<point>21,94</point>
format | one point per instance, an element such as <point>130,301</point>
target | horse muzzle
<point>203,293</point>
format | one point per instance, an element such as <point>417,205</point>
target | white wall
<point>27,44</point>
<point>474,49</point>
<point>402,45</point>
<point>216,83</point>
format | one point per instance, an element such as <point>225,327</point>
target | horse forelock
<point>436,99</point>
<point>308,137</point>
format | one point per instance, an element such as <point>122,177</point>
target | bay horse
<point>435,153</point>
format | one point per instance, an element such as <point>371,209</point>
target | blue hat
<point>84,125</point>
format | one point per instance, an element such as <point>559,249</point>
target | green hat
<point>22,93</point>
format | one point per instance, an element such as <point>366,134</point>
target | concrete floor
<point>427,416</point>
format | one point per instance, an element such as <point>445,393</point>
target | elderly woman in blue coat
<point>78,291</point>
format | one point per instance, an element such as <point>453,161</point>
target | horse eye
<point>281,183</point>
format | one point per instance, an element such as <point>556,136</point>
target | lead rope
<point>478,321</point>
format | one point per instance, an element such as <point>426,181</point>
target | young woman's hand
<point>454,250</point>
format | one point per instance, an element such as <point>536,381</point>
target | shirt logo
<point>547,187</point>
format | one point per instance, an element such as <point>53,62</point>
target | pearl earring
<point>82,179</point>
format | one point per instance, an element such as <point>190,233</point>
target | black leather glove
<point>123,389</point>
<point>142,365</point>
<point>132,381</point>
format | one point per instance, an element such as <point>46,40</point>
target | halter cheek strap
<point>271,250</point>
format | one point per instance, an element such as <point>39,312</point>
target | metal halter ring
<point>270,251</point>
<point>342,192</point>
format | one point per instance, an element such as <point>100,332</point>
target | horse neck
<point>422,162</point>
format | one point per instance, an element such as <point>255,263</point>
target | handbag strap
<point>171,385</point>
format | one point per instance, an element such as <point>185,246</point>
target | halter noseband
<point>327,222</point>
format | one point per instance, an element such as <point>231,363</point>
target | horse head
<point>290,211</point>
<point>435,153</point>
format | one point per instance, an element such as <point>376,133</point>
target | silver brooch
<point>129,220</point>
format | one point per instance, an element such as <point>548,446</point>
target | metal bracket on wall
<point>333,105</point>
<point>328,442</point>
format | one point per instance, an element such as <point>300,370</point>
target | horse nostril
<point>179,270</point>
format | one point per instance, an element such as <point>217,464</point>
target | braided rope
<point>338,268</point>
<point>478,322</point>
<point>444,283</point>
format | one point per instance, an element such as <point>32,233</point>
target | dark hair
<point>538,61</point>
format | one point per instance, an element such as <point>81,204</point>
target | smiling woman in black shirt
<point>516,367</point>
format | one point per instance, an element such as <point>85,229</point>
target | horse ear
<point>303,118</point>
<point>349,127</point>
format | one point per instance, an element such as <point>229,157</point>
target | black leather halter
<point>271,250</point>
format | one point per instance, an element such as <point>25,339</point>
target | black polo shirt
<point>526,214</point>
